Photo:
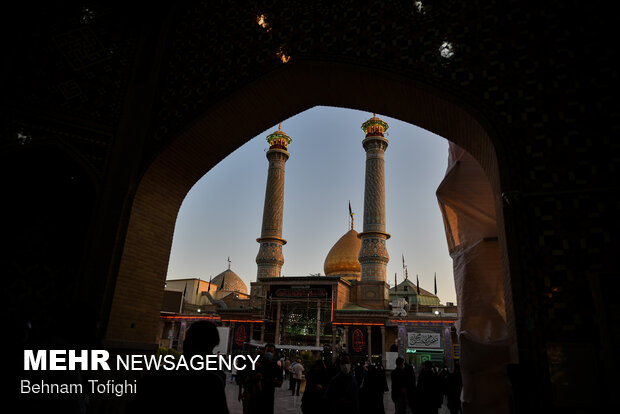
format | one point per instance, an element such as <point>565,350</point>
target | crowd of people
<point>425,394</point>
<point>338,387</point>
<point>357,389</point>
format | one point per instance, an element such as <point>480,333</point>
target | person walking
<point>359,371</point>
<point>429,396</point>
<point>200,339</point>
<point>233,374</point>
<point>341,395</point>
<point>316,382</point>
<point>287,368</point>
<point>443,382</point>
<point>250,391</point>
<point>298,370</point>
<point>271,378</point>
<point>454,386</point>
<point>290,375</point>
<point>399,393</point>
<point>371,392</point>
<point>410,385</point>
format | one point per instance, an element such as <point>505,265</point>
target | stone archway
<point>291,89</point>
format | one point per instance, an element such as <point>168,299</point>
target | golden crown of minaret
<point>374,126</point>
<point>279,139</point>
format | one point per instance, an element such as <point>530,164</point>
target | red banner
<point>242,335</point>
<point>358,340</point>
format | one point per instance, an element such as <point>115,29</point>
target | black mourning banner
<point>301,292</point>
<point>242,335</point>
<point>358,340</point>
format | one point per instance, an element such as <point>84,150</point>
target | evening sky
<point>221,215</point>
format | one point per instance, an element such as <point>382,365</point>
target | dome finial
<point>228,262</point>
<point>280,126</point>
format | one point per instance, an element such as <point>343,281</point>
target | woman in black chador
<point>200,339</point>
<point>372,390</point>
<point>454,386</point>
<point>316,382</point>
<point>429,396</point>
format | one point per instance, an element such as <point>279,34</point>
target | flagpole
<point>351,213</point>
<point>417,298</point>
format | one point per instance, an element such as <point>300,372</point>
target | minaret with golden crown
<point>373,257</point>
<point>270,258</point>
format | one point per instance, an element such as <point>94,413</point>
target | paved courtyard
<point>287,404</point>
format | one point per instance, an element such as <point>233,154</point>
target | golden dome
<point>229,281</point>
<point>342,258</point>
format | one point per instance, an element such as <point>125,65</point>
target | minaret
<point>270,258</point>
<point>373,256</point>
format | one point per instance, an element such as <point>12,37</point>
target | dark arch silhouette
<point>46,219</point>
<point>285,92</point>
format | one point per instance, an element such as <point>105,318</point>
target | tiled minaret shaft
<point>270,258</point>
<point>373,255</point>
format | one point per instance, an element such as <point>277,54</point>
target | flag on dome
<point>351,214</point>
<point>418,283</point>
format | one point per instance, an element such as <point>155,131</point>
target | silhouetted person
<point>410,385</point>
<point>399,393</point>
<point>383,379</point>
<point>359,372</point>
<point>429,395</point>
<point>332,368</point>
<point>316,383</point>
<point>443,381</point>
<point>250,390</point>
<point>271,378</point>
<point>57,334</point>
<point>375,385</point>
<point>454,386</point>
<point>155,393</point>
<point>341,396</point>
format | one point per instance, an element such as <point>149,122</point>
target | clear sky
<point>222,214</point>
